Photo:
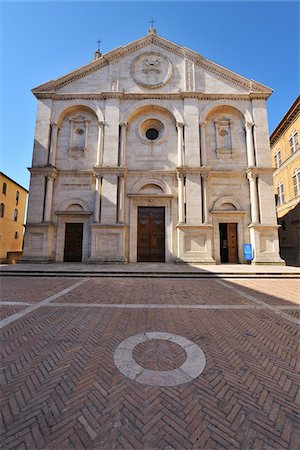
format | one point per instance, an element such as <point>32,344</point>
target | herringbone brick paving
<point>8,310</point>
<point>61,389</point>
<point>158,291</point>
<point>32,289</point>
<point>277,292</point>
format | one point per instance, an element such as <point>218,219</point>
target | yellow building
<point>285,150</point>
<point>12,215</point>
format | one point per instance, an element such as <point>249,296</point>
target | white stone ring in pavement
<point>188,371</point>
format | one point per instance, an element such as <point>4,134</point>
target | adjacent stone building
<point>285,152</point>
<point>151,152</point>
<point>13,199</point>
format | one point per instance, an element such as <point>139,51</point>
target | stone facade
<point>157,154</point>
<point>13,199</point>
<point>285,153</point>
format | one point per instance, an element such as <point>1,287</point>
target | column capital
<point>180,125</point>
<point>101,124</point>
<point>251,176</point>
<point>124,125</point>
<point>249,125</point>
<point>203,123</point>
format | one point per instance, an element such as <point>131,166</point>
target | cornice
<point>120,52</point>
<point>101,170</point>
<point>186,170</point>
<point>287,120</point>
<point>148,95</point>
<point>259,170</point>
<point>44,170</point>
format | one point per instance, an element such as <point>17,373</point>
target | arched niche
<point>219,104</point>
<point>152,185</point>
<point>144,106</point>
<point>226,204</point>
<point>74,106</point>
<point>225,132</point>
<point>74,205</point>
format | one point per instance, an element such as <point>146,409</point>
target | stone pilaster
<point>53,146</point>
<point>122,156</point>
<point>250,144</point>
<point>180,179</point>
<point>253,197</point>
<point>180,144</point>
<point>99,158</point>
<point>49,196</point>
<point>203,143</point>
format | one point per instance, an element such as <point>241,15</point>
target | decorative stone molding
<point>147,95</point>
<point>151,70</point>
<point>221,72</point>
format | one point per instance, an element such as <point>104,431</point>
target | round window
<point>79,131</point>
<point>151,130</point>
<point>152,134</point>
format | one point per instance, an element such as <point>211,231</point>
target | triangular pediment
<point>211,69</point>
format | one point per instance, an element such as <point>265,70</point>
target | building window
<point>17,198</point>
<point>296,182</point>
<point>277,158</point>
<point>16,235</point>
<point>4,187</point>
<point>15,215</point>
<point>280,194</point>
<point>2,207</point>
<point>294,142</point>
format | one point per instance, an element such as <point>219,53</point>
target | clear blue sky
<point>41,41</point>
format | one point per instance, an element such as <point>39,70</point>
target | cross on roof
<point>99,42</point>
<point>152,21</point>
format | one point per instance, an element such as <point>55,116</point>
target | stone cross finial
<point>98,54</point>
<point>152,30</point>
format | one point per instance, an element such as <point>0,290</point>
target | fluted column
<point>53,147</point>
<point>122,157</point>
<point>253,198</point>
<point>203,143</point>
<point>249,143</point>
<point>49,197</point>
<point>180,178</point>
<point>99,159</point>
<point>97,199</point>
<point>121,198</point>
<point>180,144</point>
<point>204,199</point>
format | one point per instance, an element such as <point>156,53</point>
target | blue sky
<point>41,41</point>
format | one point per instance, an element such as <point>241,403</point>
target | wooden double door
<point>228,243</point>
<point>151,234</point>
<point>73,242</point>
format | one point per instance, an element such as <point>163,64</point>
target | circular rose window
<point>151,130</point>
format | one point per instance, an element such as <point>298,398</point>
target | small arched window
<point>15,215</point>
<point>17,198</point>
<point>4,188</point>
<point>296,181</point>
<point>294,141</point>
<point>280,194</point>
<point>277,158</point>
<point>2,208</point>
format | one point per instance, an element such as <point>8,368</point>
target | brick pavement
<point>62,390</point>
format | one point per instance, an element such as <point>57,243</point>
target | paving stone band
<point>188,371</point>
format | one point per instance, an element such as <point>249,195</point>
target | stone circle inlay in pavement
<point>188,371</point>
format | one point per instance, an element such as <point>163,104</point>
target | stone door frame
<point>137,200</point>
<point>237,217</point>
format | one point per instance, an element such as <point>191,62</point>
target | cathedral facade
<point>151,153</point>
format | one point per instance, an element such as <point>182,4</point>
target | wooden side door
<point>151,234</point>
<point>232,243</point>
<point>73,242</point>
